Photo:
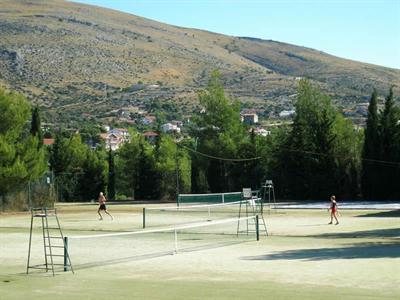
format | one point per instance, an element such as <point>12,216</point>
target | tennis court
<point>302,258</point>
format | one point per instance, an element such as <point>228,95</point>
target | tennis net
<point>94,250</point>
<point>167,215</point>
<point>209,198</point>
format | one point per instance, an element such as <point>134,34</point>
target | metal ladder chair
<point>254,207</point>
<point>50,236</point>
<point>268,190</point>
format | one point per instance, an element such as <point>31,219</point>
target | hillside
<point>79,61</point>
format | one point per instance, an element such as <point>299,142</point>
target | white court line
<point>343,205</point>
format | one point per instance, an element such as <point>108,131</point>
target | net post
<point>223,198</point>
<point>144,217</point>
<point>257,229</point>
<point>65,254</point>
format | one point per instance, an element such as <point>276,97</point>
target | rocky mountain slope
<point>79,61</point>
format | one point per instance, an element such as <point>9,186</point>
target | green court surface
<point>302,258</point>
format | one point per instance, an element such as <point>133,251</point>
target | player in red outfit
<point>333,209</point>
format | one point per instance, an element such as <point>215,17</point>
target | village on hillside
<point>149,126</point>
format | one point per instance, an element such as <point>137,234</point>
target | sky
<point>362,30</point>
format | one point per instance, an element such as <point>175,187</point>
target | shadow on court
<point>376,233</point>
<point>360,251</point>
<point>383,214</point>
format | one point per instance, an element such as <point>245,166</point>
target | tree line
<point>319,154</point>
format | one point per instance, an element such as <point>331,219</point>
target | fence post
<point>176,241</point>
<point>257,229</point>
<point>144,217</point>
<point>65,254</point>
<point>29,195</point>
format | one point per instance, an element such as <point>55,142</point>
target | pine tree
<point>309,164</point>
<point>67,159</point>
<point>218,132</point>
<point>21,158</point>
<point>248,173</point>
<point>94,174</point>
<point>319,154</point>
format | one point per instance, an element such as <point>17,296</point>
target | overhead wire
<point>372,161</point>
<point>220,158</point>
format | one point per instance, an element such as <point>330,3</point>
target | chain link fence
<point>38,193</point>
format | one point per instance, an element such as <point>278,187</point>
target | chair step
<point>43,215</point>
<point>39,268</point>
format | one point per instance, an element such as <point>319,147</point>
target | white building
<point>249,119</point>
<point>168,127</point>
<point>124,133</point>
<point>115,138</point>
<point>261,131</point>
<point>286,113</point>
<point>177,123</point>
<point>147,120</point>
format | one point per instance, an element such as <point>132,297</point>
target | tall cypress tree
<point>148,180</point>
<point>389,121</point>
<point>128,163</point>
<point>371,150</point>
<point>36,125</point>
<point>57,157</point>
<point>396,156</point>
<point>111,176</point>
<point>388,151</point>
